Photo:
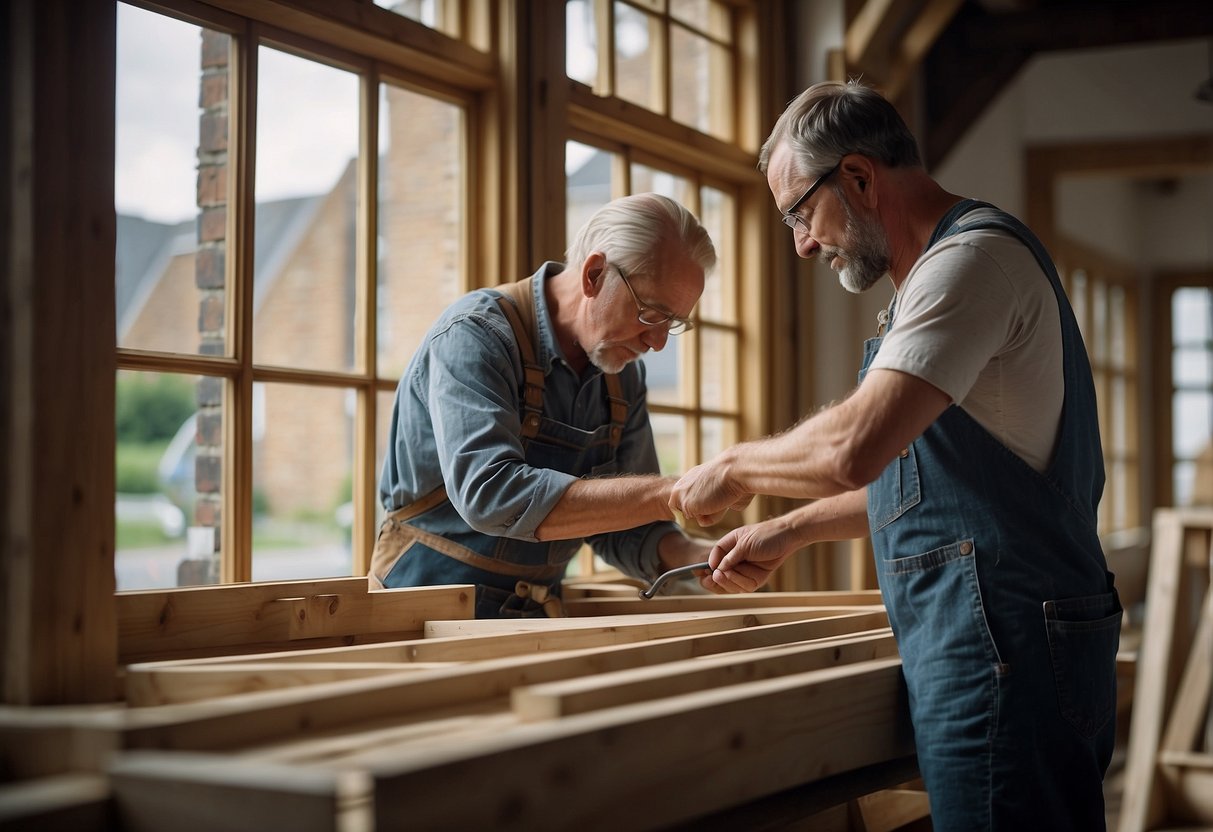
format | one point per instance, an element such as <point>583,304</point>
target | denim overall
<point>1004,611</point>
<point>428,543</point>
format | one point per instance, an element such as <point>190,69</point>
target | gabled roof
<point>145,248</point>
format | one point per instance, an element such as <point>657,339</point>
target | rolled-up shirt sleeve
<point>634,551</point>
<point>471,392</point>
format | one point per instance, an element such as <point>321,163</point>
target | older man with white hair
<point>520,427</point>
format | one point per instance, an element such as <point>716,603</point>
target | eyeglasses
<point>790,218</point>
<point>651,316</point>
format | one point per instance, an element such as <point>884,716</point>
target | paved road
<point>156,567</point>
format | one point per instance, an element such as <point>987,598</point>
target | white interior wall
<point>1101,212</point>
<point>1177,226</point>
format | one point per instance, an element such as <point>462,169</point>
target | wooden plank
<point>652,764</point>
<point>155,791</point>
<point>449,649</point>
<point>410,693</point>
<point>158,623</point>
<point>1189,781</point>
<point>623,604</point>
<point>1191,707</point>
<point>68,802</point>
<point>564,633</point>
<point>254,717</point>
<point>606,690</point>
<point>891,809</point>
<point>186,683</point>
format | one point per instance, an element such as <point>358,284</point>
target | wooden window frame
<point>1045,166</point>
<point>281,26</point>
<point>1163,347</point>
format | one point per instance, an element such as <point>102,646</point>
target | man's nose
<point>655,337</point>
<point>806,246</point>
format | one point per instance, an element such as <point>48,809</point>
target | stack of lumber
<point>320,705</point>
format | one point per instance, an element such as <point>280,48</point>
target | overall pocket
<point>1084,634</point>
<point>895,491</point>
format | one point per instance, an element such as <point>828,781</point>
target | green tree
<point>152,406</point>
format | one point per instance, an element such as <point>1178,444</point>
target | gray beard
<point>866,256</point>
<point>599,358</point>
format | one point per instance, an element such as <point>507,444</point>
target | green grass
<point>135,466</point>
<point>129,535</point>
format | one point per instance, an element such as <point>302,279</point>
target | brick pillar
<point>202,567</point>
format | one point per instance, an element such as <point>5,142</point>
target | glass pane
<point>303,442</point>
<point>669,432</point>
<point>421,210</point>
<point>1191,315</point>
<point>1119,414</point>
<point>700,83</point>
<point>1098,346</point>
<point>587,172</point>
<point>692,12</point>
<point>437,14</point>
<point>307,209</point>
<point>1118,350</point>
<point>383,421</point>
<point>718,302</point>
<point>1078,300</point>
<point>1184,476</point>
<point>663,372</point>
<point>636,78</point>
<point>716,435</point>
<point>718,367</point>
<point>168,475</point>
<point>1118,479</point>
<point>170,183</point>
<point>707,16</point>
<point>1192,368</point>
<point>1201,481</point>
<point>581,41</point>
<point>645,179</point>
<point>1192,422</point>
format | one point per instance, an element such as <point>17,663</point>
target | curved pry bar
<point>647,594</point>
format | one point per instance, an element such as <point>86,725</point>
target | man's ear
<point>593,273</point>
<point>859,171</point>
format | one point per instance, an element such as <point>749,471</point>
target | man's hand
<point>744,559</point>
<point>706,492</point>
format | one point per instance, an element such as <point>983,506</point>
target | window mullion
<point>236,563</point>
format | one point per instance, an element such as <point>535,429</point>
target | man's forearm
<point>843,517</point>
<point>611,504</point>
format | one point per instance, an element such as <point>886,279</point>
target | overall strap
<point>517,302</point>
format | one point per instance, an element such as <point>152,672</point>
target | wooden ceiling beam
<point>917,42</point>
<point>870,34</point>
<point>979,52</point>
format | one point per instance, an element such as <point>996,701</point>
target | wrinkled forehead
<point>677,283</point>
<point>784,177</point>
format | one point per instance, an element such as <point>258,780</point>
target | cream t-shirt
<point>977,318</point>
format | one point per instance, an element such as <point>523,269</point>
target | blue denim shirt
<point>456,423</point>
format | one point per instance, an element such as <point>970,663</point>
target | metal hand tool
<point>647,594</point>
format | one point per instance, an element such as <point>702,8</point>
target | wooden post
<point>57,336</point>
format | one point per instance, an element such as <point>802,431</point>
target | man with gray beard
<point>520,427</point>
<point>969,453</point>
